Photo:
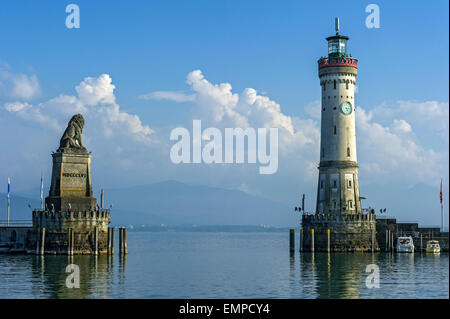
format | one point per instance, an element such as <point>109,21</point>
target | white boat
<point>405,245</point>
<point>433,247</point>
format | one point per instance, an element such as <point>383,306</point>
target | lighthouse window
<point>349,183</point>
<point>348,151</point>
<point>335,84</point>
<point>346,85</point>
<point>334,204</point>
<point>334,184</point>
<point>335,130</point>
<point>321,184</point>
<point>350,204</point>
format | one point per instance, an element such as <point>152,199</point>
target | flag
<point>440,194</point>
<point>9,186</point>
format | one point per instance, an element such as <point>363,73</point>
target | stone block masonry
<point>348,233</point>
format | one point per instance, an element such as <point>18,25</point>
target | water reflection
<point>334,275</point>
<point>186,265</point>
<point>49,273</point>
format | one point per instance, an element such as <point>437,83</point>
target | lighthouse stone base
<point>348,233</point>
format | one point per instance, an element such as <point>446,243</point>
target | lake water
<point>224,265</point>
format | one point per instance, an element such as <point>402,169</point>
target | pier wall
<point>399,229</point>
<point>82,224</point>
<point>15,239</point>
<point>348,233</point>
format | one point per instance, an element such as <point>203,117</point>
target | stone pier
<point>348,232</point>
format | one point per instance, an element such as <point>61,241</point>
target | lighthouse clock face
<point>346,108</point>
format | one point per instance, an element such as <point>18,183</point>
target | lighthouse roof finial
<point>336,25</point>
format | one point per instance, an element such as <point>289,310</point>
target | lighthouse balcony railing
<point>344,61</point>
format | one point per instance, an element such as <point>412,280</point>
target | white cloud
<point>92,91</point>
<point>168,95</point>
<point>19,86</point>
<point>313,109</point>
<point>16,106</point>
<point>402,126</point>
<point>220,107</point>
<point>96,101</point>
<point>429,115</point>
<point>388,153</point>
<point>27,112</point>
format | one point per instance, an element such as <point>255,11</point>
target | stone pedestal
<point>71,182</point>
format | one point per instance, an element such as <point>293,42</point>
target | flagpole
<point>442,210</point>
<point>42,191</point>
<point>442,217</point>
<point>9,204</point>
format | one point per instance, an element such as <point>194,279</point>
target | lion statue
<point>71,138</point>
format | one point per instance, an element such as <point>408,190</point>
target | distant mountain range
<point>19,207</point>
<point>174,203</point>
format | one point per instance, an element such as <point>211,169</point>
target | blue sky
<point>270,46</point>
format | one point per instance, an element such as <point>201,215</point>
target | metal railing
<point>16,223</point>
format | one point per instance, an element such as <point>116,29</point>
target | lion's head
<point>72,137</point>
<point>78,119</point>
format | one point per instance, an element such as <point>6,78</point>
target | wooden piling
<point>421,242</point>
<point>373,240</point>
<point>300,249</point>
<point>112,241</point>
<point>386,242</point>
<point>125,244</point>
<point>312,240</point>
<point>291,240</point>
<point>96,241</point>
<point>328,240</point>
<point>389,240</point>
<point>42,246</point>
<point>392,242</point>
<point>70,242</point>
<point>120,240</point>
<point>108,242</point>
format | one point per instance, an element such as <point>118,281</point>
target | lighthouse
<point>338,188</point>
<point>338,224</point>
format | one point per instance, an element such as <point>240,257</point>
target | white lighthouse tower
<point>338,188</point>
<point>338,225</point>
